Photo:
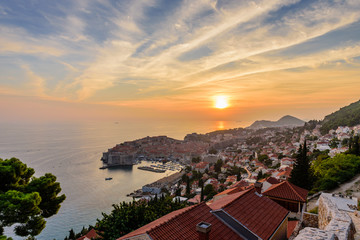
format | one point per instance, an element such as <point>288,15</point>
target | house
<point>284,174</point>
<point>288,195</point>
<point>154,188</point>
<point>243,215</point>
<point>202,166</point>
<point>195,200</point>
<point>230,180</point>
<point>286,162</point>
<point>90,235</point>
<point>268,182</point>
<point>322,145</point>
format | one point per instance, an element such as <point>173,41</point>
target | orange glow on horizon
<point>220,125</point>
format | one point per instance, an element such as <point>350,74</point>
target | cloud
<point>181,50</point>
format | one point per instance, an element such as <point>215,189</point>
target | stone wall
<point>333,223</point>
<point>331,219</point>
<point>310,220</point>
<point>315,233</point>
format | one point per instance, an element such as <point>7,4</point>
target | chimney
<point>203,229</point>
<point>258,187</point>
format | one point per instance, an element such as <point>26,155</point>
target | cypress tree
<point>187,186</point>
<point>301,174</point>
<point>356,146</point>
<point>202,193</point>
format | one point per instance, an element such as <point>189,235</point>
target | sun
<point>221,102</point>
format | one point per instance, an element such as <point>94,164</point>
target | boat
<point>108,178</point>
<point>151,169</point>
<point>103,167</point>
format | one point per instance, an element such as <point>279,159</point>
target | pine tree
<point>301,174</point>
<point>72,234</point>
<point>356,146</point>
<point>187,186</point>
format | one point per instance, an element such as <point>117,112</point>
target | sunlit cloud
<point>179,54</point>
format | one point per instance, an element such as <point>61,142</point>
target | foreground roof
<point>242,215</point>
<point>259,214</point>
<point>288,191</point>
<point>181,224</point>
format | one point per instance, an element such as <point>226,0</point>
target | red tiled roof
<point>183,226</point>
<point>202,165</point>
<point>155,223</point>
<point>272,180</point>
<point>91,234</point>
<point>286,190</point>
<point>230,191</point>
<point>290,228</point>
<point>195,200</point>
<point>220,203</point>
<point>242,183</point>
<point>259,214</point>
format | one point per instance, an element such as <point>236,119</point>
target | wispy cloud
<point>175,50</point>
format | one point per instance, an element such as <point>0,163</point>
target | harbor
<point>154,188</point>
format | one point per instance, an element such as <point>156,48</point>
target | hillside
<point>346,116</point>
<point>286,121</point>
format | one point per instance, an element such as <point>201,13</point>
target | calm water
<point>72,152</point>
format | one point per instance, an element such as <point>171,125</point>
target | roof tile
<point>287,190</point>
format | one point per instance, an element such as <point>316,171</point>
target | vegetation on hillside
<point>346,116</point>
<point>330,172</point>
<point>25,201</point>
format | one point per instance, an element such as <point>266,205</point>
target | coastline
<point>171,179</point>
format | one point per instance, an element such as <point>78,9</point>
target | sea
<point>72,152</point>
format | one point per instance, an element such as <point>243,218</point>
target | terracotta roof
<point>290,228</point>
<point>195,199</point>
<point>230,191</point>
<point>242,183</point>
<point>259,214</point>
<point>91,234</point>
<point>155,223</point>
<point>183,226</point>
<point>222,202</point>
<point>202,165</point>
<point>272,180</point>
<point>286,190</point>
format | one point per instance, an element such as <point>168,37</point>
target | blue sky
<point>269,57</point>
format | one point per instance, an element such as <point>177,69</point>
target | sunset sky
<point>128,59</point>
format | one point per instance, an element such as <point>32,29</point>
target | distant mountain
<point>286,121</point>
<point>346,116</point>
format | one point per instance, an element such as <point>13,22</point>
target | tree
<point>334,143</point>
<point>202,193</point>
<point>209,191</point>
<point>301,175</point>
<point>128,216</point>
<point>195,160</point>
<point>212,151</point>
<point>71,234</point>
<point>218,166</point>
<point>26,200</point>
<point>188,186</point>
